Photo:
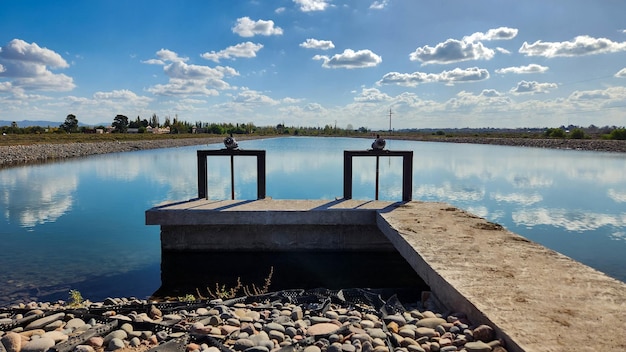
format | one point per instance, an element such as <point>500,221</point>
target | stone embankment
<point>36,153</point>
<point>598,145</point>
<point>320,321</point>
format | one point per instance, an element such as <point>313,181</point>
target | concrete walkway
<point>535,298</point>
<point>539,299</point>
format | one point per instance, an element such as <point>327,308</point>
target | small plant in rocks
<point>76,299</point>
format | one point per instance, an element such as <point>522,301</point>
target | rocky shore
<point>37,153</point>
<point>320,320</point>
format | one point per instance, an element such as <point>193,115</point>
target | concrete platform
<point>535,298</point>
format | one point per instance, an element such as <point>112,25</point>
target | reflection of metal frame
<point>407,170</point>
<point>203,171</point>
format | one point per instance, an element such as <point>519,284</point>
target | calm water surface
<point>79,224</point>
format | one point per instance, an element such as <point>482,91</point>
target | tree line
<point>122,124</point>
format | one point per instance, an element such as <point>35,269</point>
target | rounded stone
<point>430,322</point>
<point>115,344</point>
<point>83,348</point>
<point>275,326</point>
<point>12,342</point>
<point>312,348</point>
<point>484,333</point>
<point>243,344</point>
<point>322,329</point>
<point>38,345</point>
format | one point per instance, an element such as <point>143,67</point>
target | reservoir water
<point>79,223</point>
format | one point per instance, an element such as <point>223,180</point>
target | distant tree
<point>70,125</point>
<point>555,132</point>
<point>577,133</point>
<point>154,121</point>
<point>618,133</point>
<point>120,123</point>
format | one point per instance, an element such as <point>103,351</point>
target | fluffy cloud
<point>372,95</point>
<point>350,59</point>
<point>451,51</point>
<point>317,44</point>
<point>189,79</point>
<point>415,78</point>
<point>21,51</point>
<point>532,68</point>
<point>502,33</point>
<point>27,67</point>
<point>581,45</point>
<point>312,5</point>
<point>246,27</point>
<point>379,5</point>
<point>245,50</point>
<point>532,87</point>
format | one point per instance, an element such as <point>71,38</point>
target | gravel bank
<point>351,320</point>
<point>598,145</point>
<point>37,153</point>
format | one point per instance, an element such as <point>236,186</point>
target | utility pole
<point>389,120</point>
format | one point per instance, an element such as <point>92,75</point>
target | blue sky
<point>434,64</point>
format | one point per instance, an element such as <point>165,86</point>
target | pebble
<point>258,326</point>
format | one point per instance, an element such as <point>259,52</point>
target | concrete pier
<point>535,298</point>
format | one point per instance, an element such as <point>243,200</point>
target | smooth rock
<point>40,323</point>
<point>38,345</point>
<point>312,348</point>
<point>243,344</point>
<point>57,336</point>
<point>83,348</point>
<point>322,329</point>
<point>484,333</point>
<point>477,346</point>
<point>430,322</point>
<point>115,344</point>
<point>12,342</point>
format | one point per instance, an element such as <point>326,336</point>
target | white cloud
<point>532,87</point>
<point>317,44</point>
<point>415,78</point>
<point>123,95</point>
<point>21,51</point>
<point>464,75</point>
<point>581,45</point>
<point>371,95</point>
<point>246,27</point>
<point>312,5</point>
<point>190,79</point>
<point>350,59</point>
<point>280,10</point>
<point>254,98</point>
<point>379,5</point>
<point>26,65</point>
<point>502,33</point>
<point>245,50</point>
<point>532,68</point>
<point>621,73</point>
<point>451,51</point>
<point>168,55</point>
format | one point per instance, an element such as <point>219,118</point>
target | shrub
<point>577,134</point>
